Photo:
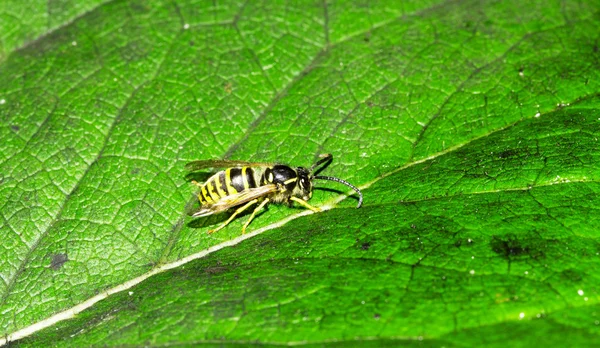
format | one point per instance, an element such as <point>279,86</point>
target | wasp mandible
<point>244,184</point>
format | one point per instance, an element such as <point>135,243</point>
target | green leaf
<point>472,128</point>
<point>22,22</point>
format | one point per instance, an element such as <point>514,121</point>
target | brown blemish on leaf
<point>58,260</point>
<point>511,247</point>
<point>228,87</point>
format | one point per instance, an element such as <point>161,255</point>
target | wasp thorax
<point>282,175</point>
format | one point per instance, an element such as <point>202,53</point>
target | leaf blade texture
<point>474,138</point>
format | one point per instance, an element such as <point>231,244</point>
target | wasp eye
<point>304,183</point>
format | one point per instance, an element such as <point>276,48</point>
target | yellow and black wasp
<point>244,184</point>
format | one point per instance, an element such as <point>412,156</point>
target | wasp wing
<point>234,200</point>
<point>204,164</point>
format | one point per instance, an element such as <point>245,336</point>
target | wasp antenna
<point>326,157</point>
<point>331,178</point>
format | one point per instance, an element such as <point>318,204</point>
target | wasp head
<point>304,187</point>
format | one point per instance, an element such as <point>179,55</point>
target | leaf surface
<point>22,22</point>
<point>472,128</point>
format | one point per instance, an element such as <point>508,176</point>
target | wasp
<point>244,184</point>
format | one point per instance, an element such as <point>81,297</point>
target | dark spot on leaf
<point>265,243</point>
<point>458,243</point>
<point>134,51</point>
<point>215,270</point>
<point>139,7</point>
<point>58,260</point>
<point>69,155</point>
<point>15,128</point>
<point>511,247</point>
<point>506,154</point>
<point>192,43</point>
<point>571,275</point>
<point>30,196</point>
<point>365,246</point>
<point>377,316</point>
<point>135,171</point>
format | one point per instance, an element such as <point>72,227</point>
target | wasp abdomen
<point>240,179</point>
<point>235,178</point>
<point>228,182</point>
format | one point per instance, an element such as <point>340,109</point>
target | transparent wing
<point>204,164</point>
<point>234,200</point>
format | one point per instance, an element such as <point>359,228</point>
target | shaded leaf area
<point>99,116</point>
<point>560,147</point>
<point>510,265</point>
<point>22,22</point>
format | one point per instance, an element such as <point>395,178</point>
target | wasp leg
<point>305,205</point>
<point>238,211</point>
<point>260,206</point>
<point>196,183</point>
<point>199,185</point>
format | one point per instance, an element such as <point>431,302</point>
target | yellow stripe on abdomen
<point>218,185</point>
<point>204,192</point>
<point>211,190</point>
<point>244,179</point>
<point>230,187</point>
